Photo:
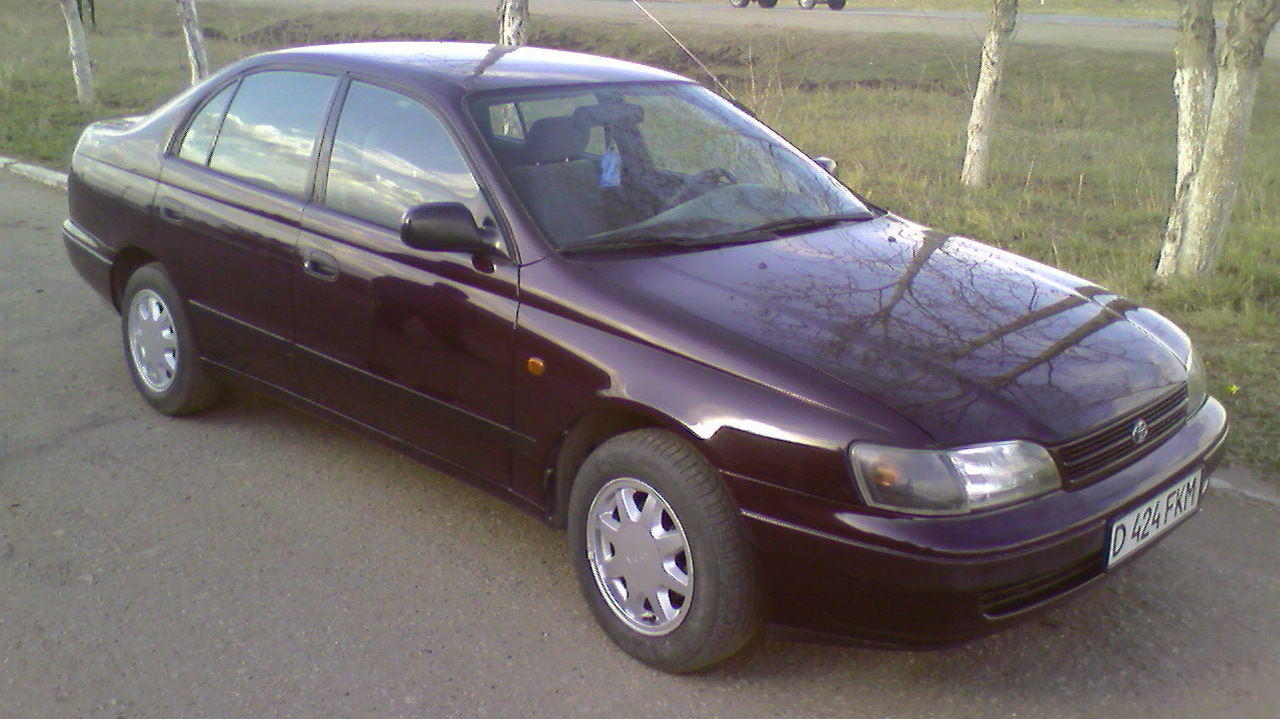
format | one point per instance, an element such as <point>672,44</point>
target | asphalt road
<point>253,562</point>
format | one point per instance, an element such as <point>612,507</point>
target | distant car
<point>611,297</point>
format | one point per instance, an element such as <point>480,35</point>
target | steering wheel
<point>701,183</point>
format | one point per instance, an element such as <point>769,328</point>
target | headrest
<point>555,138</point>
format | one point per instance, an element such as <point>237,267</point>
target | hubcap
<point>153,341</point>
<point>639,556</point>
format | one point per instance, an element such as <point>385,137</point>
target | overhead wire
<point>685,48</point>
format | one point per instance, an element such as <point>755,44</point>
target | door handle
<point>172,211</point>
<point>320,264</point>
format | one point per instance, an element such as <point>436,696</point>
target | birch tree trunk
<point>194,35</point>
<point>81,69</point>
<point>1194,80</point>
<point>512,15</point>
<point>1213,184</point>
<point>93,14</point>
<point>1004,18</point>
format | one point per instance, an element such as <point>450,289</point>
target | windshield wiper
<point>654,242</point>
<point>759,233</point>
<point>796,225</point>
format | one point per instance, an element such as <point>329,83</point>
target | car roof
<point>469,66</point>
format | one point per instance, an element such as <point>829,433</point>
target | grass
<point>1081,174</point>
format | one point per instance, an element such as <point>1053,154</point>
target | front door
<point>416,345</point>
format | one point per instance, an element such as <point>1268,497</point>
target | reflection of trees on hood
<point>935,324</point>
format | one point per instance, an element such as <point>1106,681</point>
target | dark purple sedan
<point>612,297</point>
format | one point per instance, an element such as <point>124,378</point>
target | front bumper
<point>933,581</point>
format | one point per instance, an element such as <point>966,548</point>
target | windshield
<point>672,165</point>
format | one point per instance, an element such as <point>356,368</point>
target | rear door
<point>414,344</point>
<point>230,203</point>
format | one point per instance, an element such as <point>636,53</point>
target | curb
<point>1229,487</point>
<point>43,175</point>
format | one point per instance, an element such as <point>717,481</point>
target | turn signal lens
<point>1197,382</point>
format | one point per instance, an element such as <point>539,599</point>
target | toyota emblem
<point>1141,430</point>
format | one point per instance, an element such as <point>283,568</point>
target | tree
<point>196,54</point>
<point>1215,90</point>
<point>1194,78</point>
<point>93,14</point>
<point>1004,19</point>
<point>81,69</point>
<point>512,15</point>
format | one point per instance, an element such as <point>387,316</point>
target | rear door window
<point>271,128</point>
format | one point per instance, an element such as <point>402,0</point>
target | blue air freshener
<point>611,169</point>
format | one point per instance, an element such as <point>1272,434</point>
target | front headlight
<point>957,481</point>
<point>1197,382</point>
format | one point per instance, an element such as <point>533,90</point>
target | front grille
<point>1013,598</point>
<point>1114,446</point>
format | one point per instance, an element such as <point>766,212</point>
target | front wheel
<point>766,4</point>
<point>836,4</point>
<point>807,4</point>
<point>160,345</point>
<point>660,554</point>
<point>739,3</point>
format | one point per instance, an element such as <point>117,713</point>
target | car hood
<point>968,342</point>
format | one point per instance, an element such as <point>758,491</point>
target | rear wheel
<point>807,4</point>
<point>836,4</point>
<point>160,345</point>
<point>660,554</point>
<point>739,3</point>
<point>766,4</point>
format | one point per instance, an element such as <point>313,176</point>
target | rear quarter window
<point>198,141</point>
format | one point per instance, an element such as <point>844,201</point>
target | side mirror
<point>827,164</point>
<point>448,227</point>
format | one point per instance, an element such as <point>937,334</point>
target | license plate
<point>1142,526</point>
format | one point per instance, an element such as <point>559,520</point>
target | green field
<point>1083,149</point>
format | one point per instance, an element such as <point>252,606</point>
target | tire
<point>836,4</point>
<point>693,595</point>
<point>739,3</point>
<point>766,4</point>
<point>807,4</point>
<point>160,346</point>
